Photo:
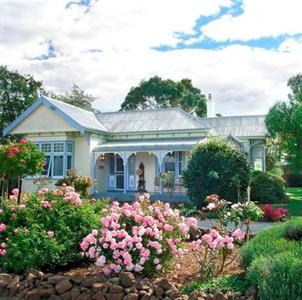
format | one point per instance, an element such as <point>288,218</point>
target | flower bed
<point>45,230</point>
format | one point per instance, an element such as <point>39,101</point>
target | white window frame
<point>65,153</point>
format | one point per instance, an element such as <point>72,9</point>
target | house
<point>111,147</point>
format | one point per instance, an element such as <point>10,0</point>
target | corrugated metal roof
<point>238,126</point>
<point>167,119</point>
<point>83,117</point>
<point>148,145</point>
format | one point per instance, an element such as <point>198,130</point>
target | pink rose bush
<point>45,230</point>
<point>216,247</point>
<point>138,237</point>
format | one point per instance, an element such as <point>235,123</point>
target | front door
<point>119,173</point>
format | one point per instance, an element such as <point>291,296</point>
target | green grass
<point>231,283</point>
<point>294,205</point>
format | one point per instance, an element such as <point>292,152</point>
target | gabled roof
<point>78,118</point>
<point>237,126</point>
<point>153,120</point>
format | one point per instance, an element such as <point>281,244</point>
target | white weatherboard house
<point>110,147</point>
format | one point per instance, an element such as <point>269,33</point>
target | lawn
<point>294,205</point>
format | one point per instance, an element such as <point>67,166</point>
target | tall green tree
<point>17,92</point>
<point>284,123</point>
<point>162,93</point>
<point>76,97</point>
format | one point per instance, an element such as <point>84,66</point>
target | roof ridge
<point>142,110</point>
<point>68,104</point>
<point>236,116</point>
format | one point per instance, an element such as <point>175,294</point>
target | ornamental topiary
<point>216,167</point>
<point>267,189</point>
<point>45,231</point>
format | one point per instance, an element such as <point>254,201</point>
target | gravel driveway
<point>255,226</point>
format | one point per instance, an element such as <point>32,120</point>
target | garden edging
<point>35,284</point>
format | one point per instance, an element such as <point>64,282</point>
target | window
<point>173,162</point>
<point>59,158</point>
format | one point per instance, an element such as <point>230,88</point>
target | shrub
<point>139,237</point>
<point>45,231</point>
<point>267,189</point>
<point>216,167</point>
<point>274,261</point>
<point>230,283</point>
<point>19,159</point>
<point>80,183</point>
<point>277,277</point>
<point>294,180</point>
<point>271,242</point>
<point>274,214</point>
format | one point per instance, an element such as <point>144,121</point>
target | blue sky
<point>240,51</point>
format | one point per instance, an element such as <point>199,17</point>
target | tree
<point>20,159</point>
<point>216,167</point>
<point>162,93</point>
<point>17,92</point>
<point>284,123</point>
<point>76,97</point>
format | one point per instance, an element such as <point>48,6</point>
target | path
<point>255,226</point>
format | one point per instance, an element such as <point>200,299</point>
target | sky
<point>240,51</point>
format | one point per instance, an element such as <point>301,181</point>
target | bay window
<point>58,157</point>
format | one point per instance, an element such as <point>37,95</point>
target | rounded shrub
<point>267,189</point>
<point>216,167</point>
<point>273,241</point>
<point>45,231</point>
<point>273,261</point>
<point>277,277</point>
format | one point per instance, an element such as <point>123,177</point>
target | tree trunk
<point>19,188</point>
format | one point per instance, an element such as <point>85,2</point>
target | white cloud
<point>242,80</point>
<point>268,18</point>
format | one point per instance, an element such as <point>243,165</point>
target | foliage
<point>139,237</point>
<point>272,154</point>
<point>19,159</point>
<point>274,214</point>
<point>168,179</point>
<point>216,156</point>
<point>80,183</point>
<point>277,277</point>
<point>294,180</point>
<point>230,283</point>
<point>160,93</point>
<point>187,209</point>
<point>294,204</point>
<point>271,242</point>
<point>238,214</point>
<point>45,231</point>
<point>267,189</point>
<point>213,251</point>
<point>17,92</point>
<point>284,124</point>
<point>76,97</point>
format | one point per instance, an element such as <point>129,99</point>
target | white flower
<point>211,206</point>
<point>101,260</point>
<point>235,206</point>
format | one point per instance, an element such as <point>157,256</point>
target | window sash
<point>59,157</point>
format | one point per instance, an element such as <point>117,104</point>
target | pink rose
<point>2,227</point>
<point>50,234</point>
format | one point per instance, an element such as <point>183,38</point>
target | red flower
<point>23,141</point>
<point>15,150</point>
